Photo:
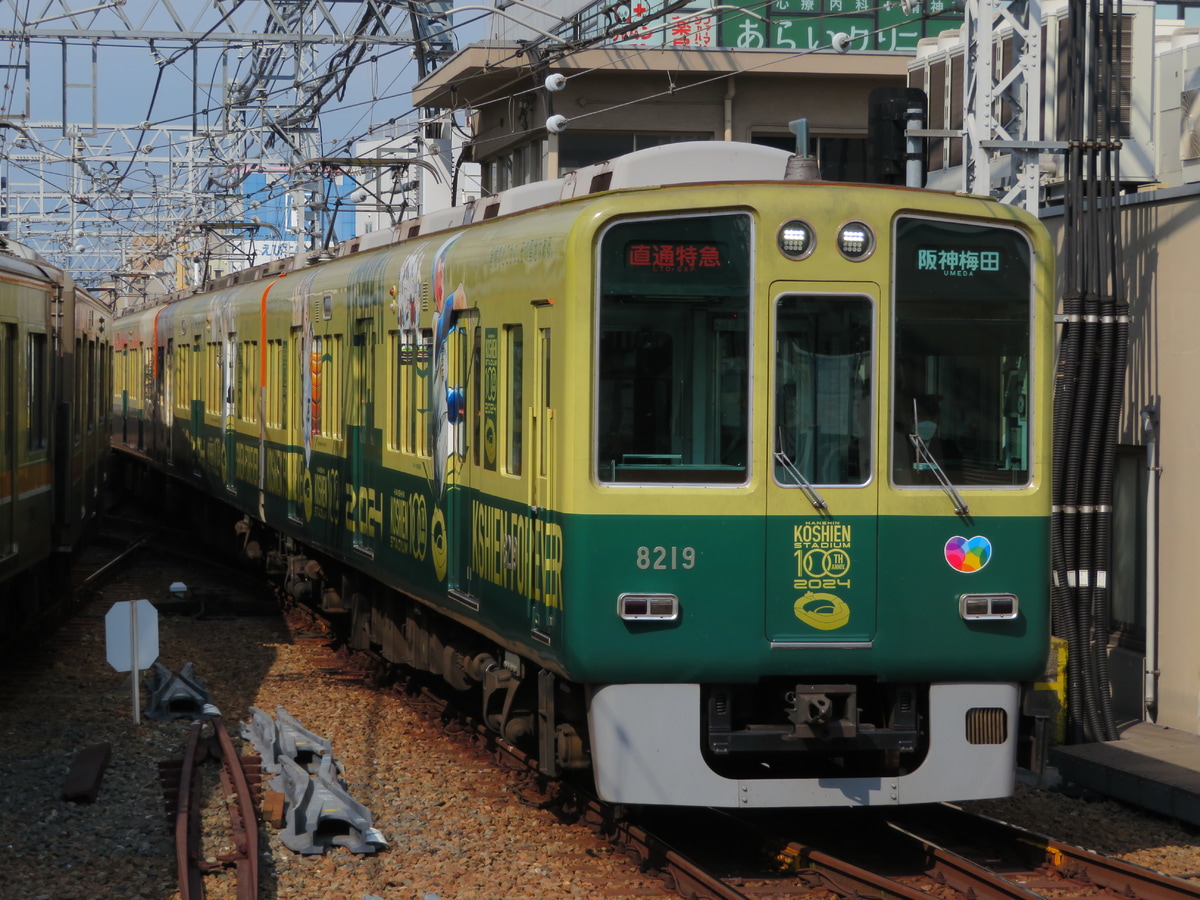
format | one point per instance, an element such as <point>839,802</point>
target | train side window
<point>38,382</point>
<point>246,379</point>
<point>514,378</point>
<point>326,385</point>
<point>673,351</point>
<point>213,378</point>
<point>277,384</point>
<point>963,297</point>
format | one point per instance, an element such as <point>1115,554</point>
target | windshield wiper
<point>926,460</point>
<point>805,485</point>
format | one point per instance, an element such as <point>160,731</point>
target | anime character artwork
<point>449,400</point>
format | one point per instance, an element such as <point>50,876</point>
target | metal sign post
<point>131,639</point>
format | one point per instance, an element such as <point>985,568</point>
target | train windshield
<point>963,306</point>
<point>672,403</point>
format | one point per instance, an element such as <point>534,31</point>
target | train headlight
<point>796,239</point>
<point>648,607</point>
<point>974,607</point>
<point>856,241</point>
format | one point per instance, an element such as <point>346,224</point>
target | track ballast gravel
<point>458,826</point>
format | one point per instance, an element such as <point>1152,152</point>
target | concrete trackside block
<point>82,784</point>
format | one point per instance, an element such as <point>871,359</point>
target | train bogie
<point>751,474</point>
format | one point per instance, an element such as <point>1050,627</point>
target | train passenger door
<point>294,362</point>
<point>8,437</point>
<point>365,507</point>
<point>195,364</point>
<point>463,366</point>
<point>541,468</point>
<point>822,496</point>
<point>228,410</point>
<point>168,401</point>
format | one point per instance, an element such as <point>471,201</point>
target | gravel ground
<point>1103,825</point>
<point>457,826</point>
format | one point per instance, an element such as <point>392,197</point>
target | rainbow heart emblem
<point>968,554</point>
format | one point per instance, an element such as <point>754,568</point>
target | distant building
<point>641,78</point>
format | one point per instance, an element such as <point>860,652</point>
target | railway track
<point>916,853</point>
<point>1032,861</point>
<point>911,854</point>
<point>941,851</point>
<point>208,739</point>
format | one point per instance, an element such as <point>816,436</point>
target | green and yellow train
<point>55,386</point>
<point>731,488</point>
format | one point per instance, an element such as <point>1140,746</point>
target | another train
<point>731,488</point>
<point>55,390</point>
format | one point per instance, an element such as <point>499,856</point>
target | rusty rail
<point>181,782</point>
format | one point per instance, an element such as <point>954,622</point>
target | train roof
<point>688,162</point>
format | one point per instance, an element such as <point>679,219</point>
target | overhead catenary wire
<point>329,88</point>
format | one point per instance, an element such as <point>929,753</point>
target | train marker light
<point>648,607</point>
<point>973,607</point>
<point>856,241</point>
<point>796,239</point>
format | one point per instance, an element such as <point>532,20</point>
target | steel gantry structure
<point>220,91</point>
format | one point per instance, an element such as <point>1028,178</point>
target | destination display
<point>701,256</point>
<point>938,261</point>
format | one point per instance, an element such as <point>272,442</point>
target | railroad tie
<point>82,784</point>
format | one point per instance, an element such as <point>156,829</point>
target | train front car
<point>810,566</point>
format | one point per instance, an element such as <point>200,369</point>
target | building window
<point>584,148</point>
<point>839,158</point>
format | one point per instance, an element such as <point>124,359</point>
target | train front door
<point>822,493</point>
